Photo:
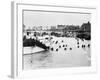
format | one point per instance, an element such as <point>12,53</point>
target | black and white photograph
<point>55,39</point>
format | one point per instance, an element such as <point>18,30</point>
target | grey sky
<point>35,18</point>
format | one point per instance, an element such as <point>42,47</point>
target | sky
<point>39,18</point>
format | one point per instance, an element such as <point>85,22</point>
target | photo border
<point>17,70</point>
